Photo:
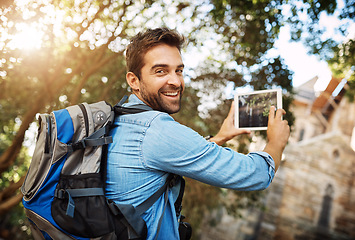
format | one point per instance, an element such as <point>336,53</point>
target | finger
<point>272,113</point>
<point>280,112</point>
<point>239,132</point>
<point>231,110</point>
<point>243,131</point>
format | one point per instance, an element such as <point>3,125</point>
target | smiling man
<point>161,81</point>
<point>149,147</point>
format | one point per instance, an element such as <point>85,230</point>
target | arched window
<point>325,214</point>
<point>336,154</point>
<point>301,136</point>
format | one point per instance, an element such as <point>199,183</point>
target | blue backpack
<point>64,190</point>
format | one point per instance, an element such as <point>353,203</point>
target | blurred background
<point>56,53</point>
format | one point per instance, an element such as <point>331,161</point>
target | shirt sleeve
<point>172,147</point>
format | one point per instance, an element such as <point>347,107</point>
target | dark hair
<point>144,41</point>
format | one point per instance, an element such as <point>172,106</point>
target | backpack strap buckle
<point>60,193</point>
<point>79,145</point>
<point>76,146</point>
<point>173,180</point>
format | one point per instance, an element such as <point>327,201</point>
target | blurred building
<point>313,193</point>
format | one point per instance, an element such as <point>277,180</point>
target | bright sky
<point>304,66</point>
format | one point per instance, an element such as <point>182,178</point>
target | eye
<point>179,71</point>
<point>160,71</point>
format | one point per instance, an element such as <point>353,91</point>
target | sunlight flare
<point>28,37</point>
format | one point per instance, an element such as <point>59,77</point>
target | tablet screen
<point>252,109</point>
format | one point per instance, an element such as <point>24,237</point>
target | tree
<point>338,48</point>
<point>57,73</point>
<point>74,52</point>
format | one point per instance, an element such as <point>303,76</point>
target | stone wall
<point>317,190</point>
<point>312,196</point>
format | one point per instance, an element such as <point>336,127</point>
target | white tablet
<point>252,109</point>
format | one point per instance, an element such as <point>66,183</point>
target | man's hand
<point>278,132</point>
<point>227,130</point>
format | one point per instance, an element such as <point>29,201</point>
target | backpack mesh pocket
<point>91,217</point>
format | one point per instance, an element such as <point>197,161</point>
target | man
<point>148,146</point>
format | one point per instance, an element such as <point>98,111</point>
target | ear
<point>133,81</point>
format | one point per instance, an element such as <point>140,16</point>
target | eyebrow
<point>166,65</point>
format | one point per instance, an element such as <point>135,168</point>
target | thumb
<point>231,110</point>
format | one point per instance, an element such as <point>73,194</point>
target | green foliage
<point>264,102</point>
<point>337,49</point>
<point>14,224</point>
<point>188,115</point>
<point>343,65</point>
<point>249,28</point>
<point>199,200</point>
<point>80,58</point>
<point>21,164</point>
<point>241,200</point>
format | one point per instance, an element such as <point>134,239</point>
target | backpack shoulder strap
<point>178,202</point>
<point>136,108</point>
<point>169,183</point>
<point>132,214</point>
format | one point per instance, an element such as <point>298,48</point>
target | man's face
<point>162,84</point>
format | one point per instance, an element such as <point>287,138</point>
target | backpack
<point>64,190</point>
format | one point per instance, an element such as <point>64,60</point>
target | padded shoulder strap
<point>178,202</point>
<point>137,108</point>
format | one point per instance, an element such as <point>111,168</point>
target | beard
<point>160,102</point>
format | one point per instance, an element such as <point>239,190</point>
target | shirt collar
<point>133,100</point>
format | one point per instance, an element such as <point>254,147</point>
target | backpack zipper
<point>48,134</point>
<point>86,119</point>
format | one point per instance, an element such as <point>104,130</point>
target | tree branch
<point>6,205</point>
<point>110,84</point>
<point>10,190</point>
<point>93,69</point>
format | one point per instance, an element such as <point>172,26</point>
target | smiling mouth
<point>171,94</point>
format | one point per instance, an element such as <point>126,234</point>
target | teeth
<point>171,93</point>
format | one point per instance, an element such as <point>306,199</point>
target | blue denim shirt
<point>148,146</point>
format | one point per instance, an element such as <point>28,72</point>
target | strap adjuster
<point>60,193</point>
<point>78,145</point>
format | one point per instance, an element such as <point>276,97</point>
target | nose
<point>175,79</point>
